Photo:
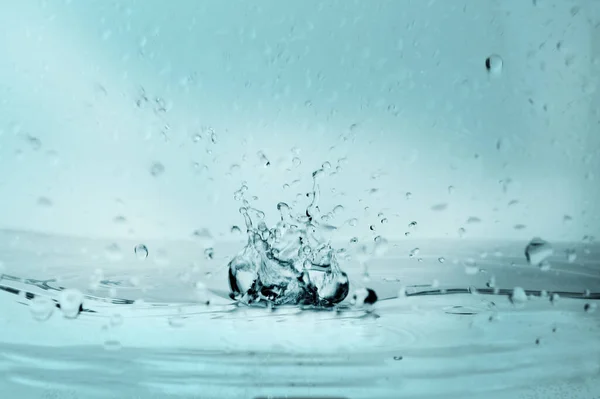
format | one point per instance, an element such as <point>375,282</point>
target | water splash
<point>292,263</point>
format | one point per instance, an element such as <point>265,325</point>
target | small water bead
<point>408,195</point>
<point>384,221</point>
<point>398,358</point>
<point>451,189</point>
<point>354,240</point>
<point>196,138</point>
<point>141,251</point>
<point>236,230</point>
<point>209,253</point>
<point>412,225</point>
<point>296,162</point>
<point>41,308</point>
<point>407,234</point>
<point>571,255</point>
<point>537,251</point>
<point>381,246</point>
<point>439,207</point>
<point>263,159</point>
<point>157,169</point>
<point>518,296</point>
<point>590,307</point>
<point>113,253</point>
<point>414,252</point>
<point>338,209</point>
<point>326,166</point>
<point>112,345</point>
<point>441,259</point>
<point>213,137</point>
<point>352,222</point>
<point>71,303</point>
<point>461,232</point>
<point>494,64</point>
<point>372,227</point>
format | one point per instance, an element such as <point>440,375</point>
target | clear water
<point>300,199</point>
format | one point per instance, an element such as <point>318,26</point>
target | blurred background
<point>140,119</point>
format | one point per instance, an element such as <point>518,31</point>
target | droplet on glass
<point>590,307</point>
<point>473,220</point>
<point>461,232</point>
<point>398,358</point>
<point>44,201</point>
<point>571,255</point>
<point>414,252</point>
<point>71,302</point>
<point>112,345</point>
<point>141,251</point>
<point>408,195</point>
<point>41,308</point>
<point>412,225</point>
<point>441,259</point>
<point>537,251</point>
<point>518,296</point>
<point>450,189</point>
<point>381,246</point>
<point>494,64</point>
<point>372,227</point>
<point>209,253</point>
<point>113,253</point>
<point>157,169</point>
<point>519,227</point>
<point>338,209</point>
<point>236,230</point>
<point>352,222</point>
<point>296,161</point>
<point>439,207</point>
<point>384,221</point>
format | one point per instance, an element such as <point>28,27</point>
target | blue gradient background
<point>397,88</point>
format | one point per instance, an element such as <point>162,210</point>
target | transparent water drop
<point>381,246</point>
<point>519,227</point>
<point>414,252</point>
<point>338,210</point>
<point>41,308</point>
<point>116,319</point>
<point>439,207</point>
<point>263,159</point>
<point>71,303</point>
<point>571,255</point>
<point>473,220</point>
<point>364,296</point>
<point>461,232</point>
<point>204,236</point>
<point>326,166</point>
<point>141,251</point>
<point>398,358</point>
<point>112,345</point>
<point>113,253</point>
<point>213,137</point>
<point>196,138</point>
<point>157,169</point>
<point>450,189</point>
<point>491,282</point>
<point>296,161</point>
<point>408,195</point>
<point>590,307</point>
<point>412,225</point>
<point>352,222</point>
<point>407,234</point>
<point>518,296</point>
<point>209,253</point>
<point>537,251</point>
<point>384,221</point>
<point>44,202</point>
<point>372,227</point>
<point>353,240</point>
<point>494,64</point>
<point>236,230</point>
<point>441,259</point>
<point>554,298</point>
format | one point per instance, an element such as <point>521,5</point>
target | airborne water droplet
<point>141,251</point>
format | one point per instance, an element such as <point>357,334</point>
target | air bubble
<point>141,251</point>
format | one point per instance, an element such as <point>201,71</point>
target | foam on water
<point>291,263</point>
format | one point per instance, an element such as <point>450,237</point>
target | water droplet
<point>590,307</point>
<point>116,319</point>
<point>471,267</point>
<point>113,253</point>
<point>567,219</point>
<point>326,166</point>
<point>71,302</point>
<point>209,253</point>
<point>263,159</point>
<point>554,298</point>
<point>44,201</point>
<point>381,246</point>
<point>494,64</point>
<point>407,234</point>
<point>112,345</point>
<point>519,227</point>
<point>338,209</point>
<point>353,240</point>
<point>213,137</point>
<point>236,230</point>
<point>414,252</point>
<point>398,357</point>
<point>491,282</point>
<point>473,220</point>
<point>296,161</point>
<point>372,227</point>
<point>196,137</point>
<point>412,225</point>
<point>352,222</point>
<point>157,169</point>
<point>518,296</point>
<point>408,195</point>
<point>384,221</point>
<point>571,255</point>
<point>141,251</point>
<point>461,232</point>
<point>364,296</point>
<point>41,308</point>
<point>537,251</point>
<point>450,189</point>
<point>439,207</point>
<point>441,259</point>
